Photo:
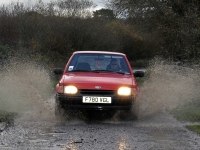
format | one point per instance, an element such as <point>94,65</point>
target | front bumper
<point>75,102</point>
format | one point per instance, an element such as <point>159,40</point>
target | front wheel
<point>130,114</point>
<point>59,111</point>
<point>135,110</point>
<point>63,113</point>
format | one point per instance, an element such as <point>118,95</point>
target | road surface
<point>156,132</point>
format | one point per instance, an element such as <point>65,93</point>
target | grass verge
<point>189,112</point>
<point>194,128</point>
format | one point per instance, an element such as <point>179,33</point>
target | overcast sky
<point>99,3</point>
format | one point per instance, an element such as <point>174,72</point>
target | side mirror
<point>139,73</point>
<point>58,70</point>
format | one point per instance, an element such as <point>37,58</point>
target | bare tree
<point>75,8</point>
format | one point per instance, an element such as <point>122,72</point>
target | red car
<point>97,80</point>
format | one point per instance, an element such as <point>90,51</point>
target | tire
<point>130,114</point>
<point>57,110</point>
<point>65,113</point>
<point>60,112</point>
<point>135,110</point>
<point>100,114</point>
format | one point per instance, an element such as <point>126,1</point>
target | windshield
<point>98,63</point>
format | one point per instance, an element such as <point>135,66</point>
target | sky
<point>100,3</point>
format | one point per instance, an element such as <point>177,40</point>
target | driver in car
<point>113,66</point>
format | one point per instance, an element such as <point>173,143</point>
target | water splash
<point>25,88</point>
<point>168,86</point>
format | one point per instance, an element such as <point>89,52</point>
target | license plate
<point>93,99</point>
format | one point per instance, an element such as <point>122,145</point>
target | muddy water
<point>155,132</point>
<point>168,86</point>
<point>25,88</point>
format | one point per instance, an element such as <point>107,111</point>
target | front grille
<point>97,92</point>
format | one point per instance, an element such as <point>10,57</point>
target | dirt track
<point>161,132</point>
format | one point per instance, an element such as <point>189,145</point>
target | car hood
<point>98,81</point>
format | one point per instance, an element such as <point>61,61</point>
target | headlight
<point>70,89</point>
<point>125,91</point>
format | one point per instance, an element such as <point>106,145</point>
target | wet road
<point>161,132</point>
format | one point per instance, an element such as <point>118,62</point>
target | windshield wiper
<point>79,71</point>
<point>98,71</point>
<point>123,72</point>
<point>110,71</point>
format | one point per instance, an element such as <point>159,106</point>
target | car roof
<point>98,52</point>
